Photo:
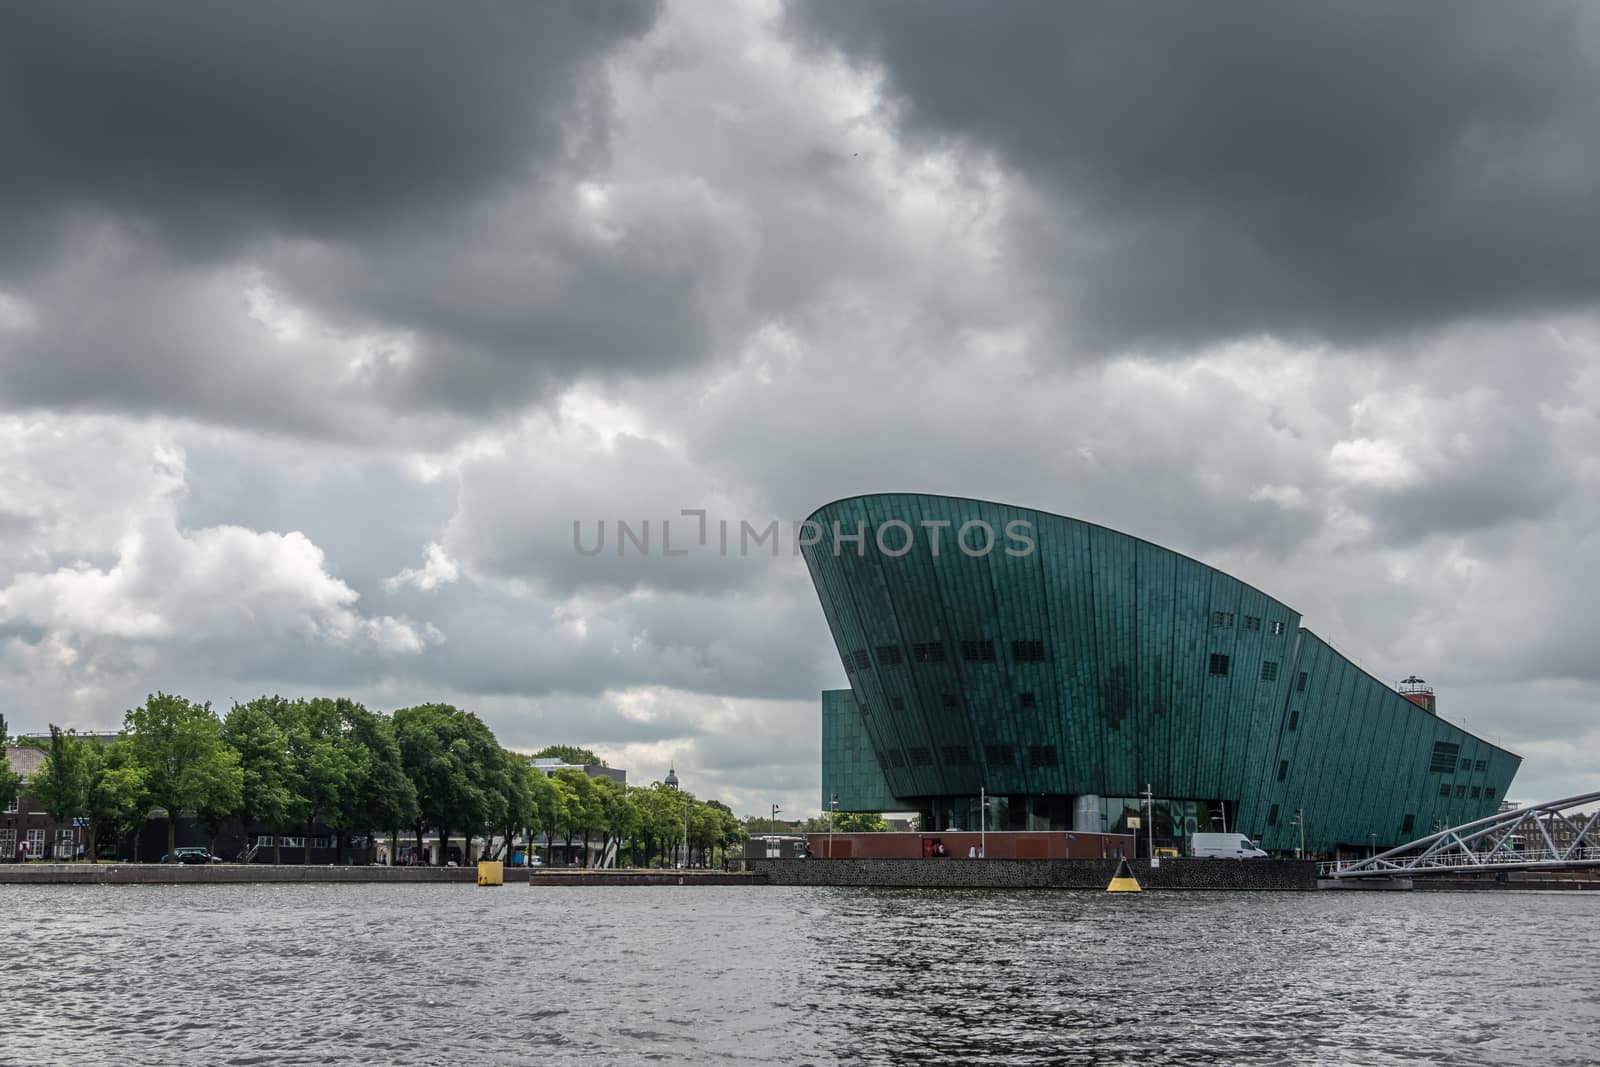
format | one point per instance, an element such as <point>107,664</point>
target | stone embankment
<point>255,873</point>
<point>1039,874</point>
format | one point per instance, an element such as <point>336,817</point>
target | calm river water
<point>433,974</point>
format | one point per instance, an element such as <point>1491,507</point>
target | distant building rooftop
<point>551,765</point>
<point>25,759</point>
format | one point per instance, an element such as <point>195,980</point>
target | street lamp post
<point>1150,820</point>
<point>833,806</point>
<point>983,821</point>
<point>1300,821</point>
<point>1373,850</point>
<point>774,823</point>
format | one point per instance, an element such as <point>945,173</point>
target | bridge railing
<point>1458,860</point>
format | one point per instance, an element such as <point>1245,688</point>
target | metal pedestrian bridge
<point>1538,837</point>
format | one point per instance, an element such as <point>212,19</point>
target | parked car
<point>193,855</point>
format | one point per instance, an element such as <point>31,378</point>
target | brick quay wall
<point>257,873</point>
<point>1039,874</point>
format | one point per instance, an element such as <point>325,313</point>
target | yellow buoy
<point>491,872</point>
<point>1123,881</point>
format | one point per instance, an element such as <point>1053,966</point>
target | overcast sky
<point>321,324</point>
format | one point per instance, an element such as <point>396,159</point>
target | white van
<point>1225,847</point>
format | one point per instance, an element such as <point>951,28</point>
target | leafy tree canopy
<point>10,780</point>
<point>60,785</point>
<point>582,757</point>
<point>186,766</point>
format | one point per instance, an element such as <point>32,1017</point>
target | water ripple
<point>445,974</point>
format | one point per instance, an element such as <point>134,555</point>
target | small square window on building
<point>1489,792</point>
<point>957,754</point>
<point>897,759</point>
<point>1222,619</point>
<point>920,757</point>
<point>1481,766</point>
<point>998,756</point>
<point>1444,790</point>
<point>1294,720</point>
<point>1041,755</point>
<point>1272,815</point>
<point>889,656</point>
<point>1476,793</point>
<point>1027,651</point>
<point>1027,700</point>
<point>849,665</point>
<point>1277,629</point>
<point>1466,765</point>
<point>1300,683</point>
<point>976,651</point>
<point>1252,622</point>
<point>1269,671</point>
<point>1283,769</point>
<point>1219,663</point>
<point>1461,792</point>
<point>1443,760</point>
<point>928,652</point>
<point>863,661</point>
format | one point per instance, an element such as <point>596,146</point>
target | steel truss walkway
<point>1516,840</point>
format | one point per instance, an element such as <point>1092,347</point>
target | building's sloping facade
<point>850,769</point>
<point>1069,666</point>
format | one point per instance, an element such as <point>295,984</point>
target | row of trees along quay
<point>288,765</point>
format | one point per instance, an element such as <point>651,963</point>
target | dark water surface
<point>454,974</point>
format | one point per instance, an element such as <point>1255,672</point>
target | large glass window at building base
<point>1005,813</point>
<point>1175,821</point>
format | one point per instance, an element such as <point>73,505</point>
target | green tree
<point>859,822</point>
<point>582,757</point>
<point>731,830</point>
<point>660,818</point>
<point>514,805</point>
<point>583,813</point>
<point>546,804</point>
<point>61,784</point>
<point>453,761</point>
<point>322,765</point>
<point>382,796</point>
<point>268,793</point>
<point>115,800</point>
<point>10,780</point>
<point>186,767</point>
<point>618,815</point>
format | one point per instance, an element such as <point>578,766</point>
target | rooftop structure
<point>594,770</point>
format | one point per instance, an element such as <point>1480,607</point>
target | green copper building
<point>1062,668</point>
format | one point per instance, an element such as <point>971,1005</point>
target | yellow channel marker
<point>1123,881</point>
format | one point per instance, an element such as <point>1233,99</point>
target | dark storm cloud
<point>1214,170</point>
<point>208,123</point>
<point>398,178</point>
